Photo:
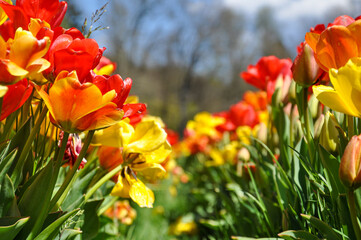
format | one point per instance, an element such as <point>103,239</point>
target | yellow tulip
<point>345,94</point>
<point>205,124</point>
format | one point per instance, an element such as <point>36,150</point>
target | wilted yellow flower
<point>144,148</point>
<point>129,185</point>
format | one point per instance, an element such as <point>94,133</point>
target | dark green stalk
<point>353,211</point>
<point>16,175</point>
<point>70,176</point>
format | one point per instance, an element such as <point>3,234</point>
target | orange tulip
<point>76,107</point>
<point>335,45</point>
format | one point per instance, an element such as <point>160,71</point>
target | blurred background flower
<point>185,56</point>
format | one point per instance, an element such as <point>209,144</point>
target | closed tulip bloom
<point>305,69</point>
<point>349,171</point>
<point>329,138</point>
<point>76,107</point>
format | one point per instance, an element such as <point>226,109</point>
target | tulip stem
<point>306,123</point>
<point>350,126</point>
<point>352,209</point>
<point>102,181</point>
<point>291,124</point>
<point>8,126</point>
<point>70,176</point>
<point>16,175</point>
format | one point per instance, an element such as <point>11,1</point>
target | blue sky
<point>294,17</point>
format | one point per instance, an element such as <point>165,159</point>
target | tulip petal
<point>15,14</point>
<point>15,97</point>
<point>73,109</point>
<point>158,155</point>
<point>329,97</point>
<point>355,29</point>
<point>312,39</point>
<point>15,70</point>
<point>100,118</point>
<point>151,171</point>
<point>148,136</point>
<point>140,194</point>
<point>122,187</point>
<point>26,48</point>
<point>335,47</point>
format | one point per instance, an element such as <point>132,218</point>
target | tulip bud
<point>329,134</point>
<point>244,154</point>
<point>292,92</point>
<point>314,106</point>
<point>349,171</point>
<point>305,69</point>
<point>262,132</point>
<point>318,126</point>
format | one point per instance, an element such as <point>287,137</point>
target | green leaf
<point>6,163</point>
<point>345,217</point>
<point>77,190</point>
<point>291,234</point>
<point>52,217</point>
<point>7,195</point>
<point>10,226</point>
<point>323,227</point>
<point>68,234</point>
<point>248,238</point>
<point>332,165</point>
<point>36,199</point>
<point>213,224</point>
<point>53,229</point>
<point>18,141</point>
<point>91,220</point>
<point>299,100</point>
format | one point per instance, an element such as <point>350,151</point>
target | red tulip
<point>51,11</point>
<point>15,97</point>
<point>265,73</point>
<point>69,54</point>
<point>122,88</point>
